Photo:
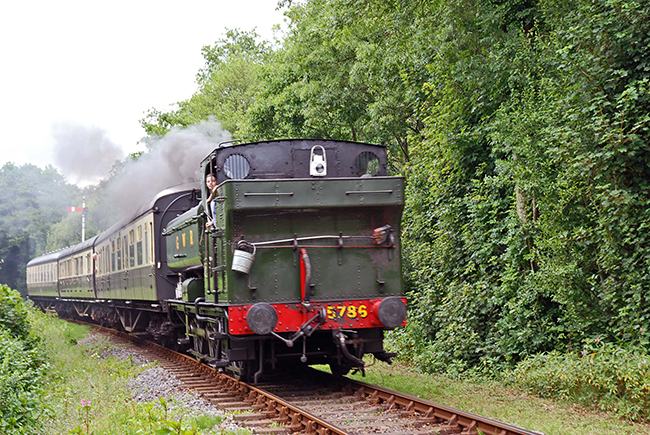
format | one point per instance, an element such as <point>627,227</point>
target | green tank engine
<point>295,256</point>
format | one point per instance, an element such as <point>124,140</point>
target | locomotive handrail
<point>268,193</point>
<point>361,192</point>
<point>273,242</point>
<point>328,247</point>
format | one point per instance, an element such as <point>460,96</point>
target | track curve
<point>313,402</point>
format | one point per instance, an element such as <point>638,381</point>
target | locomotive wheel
<point>241,370</point>
<point>172,343</point>
<point>198,343</point>
<point>213,345</point>
<point>341,369</point>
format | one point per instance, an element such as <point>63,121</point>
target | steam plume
<point>84,154</point>
<point>173,159</point>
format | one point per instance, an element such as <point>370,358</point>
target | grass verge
<point>86,393</point>
<point>493,400</point>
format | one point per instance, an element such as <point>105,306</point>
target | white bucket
<point>242,260</point>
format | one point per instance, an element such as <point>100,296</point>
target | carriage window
<point>236,167</point>
<point>367,163</point>
<point>119,254</point>
<point>113,255</point>
<point>139,245</point>
<point>153,257</point>
<point>146,244</point>
<point>125,258</point>
<point>131,250</point>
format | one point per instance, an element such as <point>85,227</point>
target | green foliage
<point>13,316</point>
<point>150,418</point>
<point>20,386</point>
<point>526,210</point>
<point>345,71</point>
<point>31,201</point>
<point>21,367</point>
<point>605,375</point>
<point>66,232</point>
<point>228,85</point>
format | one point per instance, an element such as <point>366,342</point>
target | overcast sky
<point>95,67</point>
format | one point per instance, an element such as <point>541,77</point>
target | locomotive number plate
<point>337,312</point>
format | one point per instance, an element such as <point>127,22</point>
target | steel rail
<point>299,420</point>
<point>429,410</point>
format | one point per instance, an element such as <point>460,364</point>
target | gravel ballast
<point>154,382</point>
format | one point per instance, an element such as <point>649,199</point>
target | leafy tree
<point>21,367</point>
<point>533,189</point>
<point>31,201</point>
<point>346,71</point>
<point>228,85</point>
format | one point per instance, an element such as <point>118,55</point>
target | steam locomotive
<point>293,257</point>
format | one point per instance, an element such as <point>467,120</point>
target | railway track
<point>313,402</point>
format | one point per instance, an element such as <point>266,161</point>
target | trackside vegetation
<point>86,392</point>
<point>22,367</point>
<point>606,376</point>
<point>58,384</point>
<point>523,129</point>
<point>507,403</point>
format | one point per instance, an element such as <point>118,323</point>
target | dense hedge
<point>21,367</point>
<point>526,228</point>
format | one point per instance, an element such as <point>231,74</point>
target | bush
<point>21,367</point>
<point>13,314</point>
<point>611,377</point>
<point>21,372</point>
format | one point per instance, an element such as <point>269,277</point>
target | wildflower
<point>597,339</point>
<point>641,330</point>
